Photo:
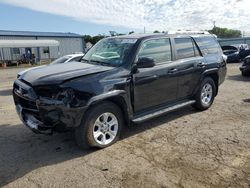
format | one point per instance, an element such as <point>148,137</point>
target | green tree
<point>156,31</point>
<point>131,32</point>
<point>87,38</point>
<point>94,39</point>
<point>225,32</point>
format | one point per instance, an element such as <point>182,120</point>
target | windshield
<point>60,60</point>
<point>110,51</point>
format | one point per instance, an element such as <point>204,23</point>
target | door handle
<point>172,71</point>
<point>201,64</point>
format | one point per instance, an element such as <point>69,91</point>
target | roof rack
<point>187,32</point>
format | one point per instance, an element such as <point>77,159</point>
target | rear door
<point>156,85</point>
<point>212,53</point>
<point>190,65</point>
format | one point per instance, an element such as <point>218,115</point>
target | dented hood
<point>58,73</point>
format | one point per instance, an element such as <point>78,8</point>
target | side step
<point>161,111</point>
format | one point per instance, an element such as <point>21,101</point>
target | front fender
<point>120,97</point>
<point>104,96</point>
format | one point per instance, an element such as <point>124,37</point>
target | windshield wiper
<point>99,62</point>
<point>84,60</point>
<point>96,62</point>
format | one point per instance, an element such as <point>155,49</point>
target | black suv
<point>120,81</point>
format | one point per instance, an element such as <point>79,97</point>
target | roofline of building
<point>38,34</point>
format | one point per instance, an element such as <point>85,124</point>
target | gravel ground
<point>185,148</point>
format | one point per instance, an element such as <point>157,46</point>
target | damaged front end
<point>45,109</point>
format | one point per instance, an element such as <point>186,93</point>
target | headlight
<point>47,91</point>
<point>66,96</point>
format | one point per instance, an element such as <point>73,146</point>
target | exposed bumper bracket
<point>32,123</point>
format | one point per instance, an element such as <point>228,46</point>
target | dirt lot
<point>185,148</point>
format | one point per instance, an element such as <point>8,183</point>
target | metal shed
<point>68,43</point>
<point>27,43</point>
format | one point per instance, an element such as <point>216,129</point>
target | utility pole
<point>243,34</point>
<point>214,23</point>
<point>144,29</point>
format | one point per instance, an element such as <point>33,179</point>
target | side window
<point>157,49</point>
<point>208,45</point>
<point>185,48</point>
<point>15,50</point>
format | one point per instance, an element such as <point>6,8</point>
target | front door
<point>157,85</point>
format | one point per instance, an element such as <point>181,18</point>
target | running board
<point>160,112</point>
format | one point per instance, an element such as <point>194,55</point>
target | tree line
<point>218,31</point>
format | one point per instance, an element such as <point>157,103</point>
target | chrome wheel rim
<point>206,94</point>
<point>105,128</point>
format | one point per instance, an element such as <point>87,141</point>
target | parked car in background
<point>68,58</point>
<point>245,67</point>
<point>232,53</point>
<point>236,53</point>
<point>64,59</point>
<point>121,81</point>
<point>244,51</point>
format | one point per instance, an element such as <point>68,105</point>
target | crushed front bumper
<point>32,122</point>
<point>44,116</point>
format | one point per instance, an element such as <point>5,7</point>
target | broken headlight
<point>64,95</point>
<point>67,96</point>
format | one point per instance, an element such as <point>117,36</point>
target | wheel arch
<point>215,76</point>
<point>117,97</point>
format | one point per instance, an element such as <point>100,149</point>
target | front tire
<point>205,95</point>
<point>101,126</point>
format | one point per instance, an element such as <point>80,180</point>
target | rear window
<point>208,45</point>
<point>185,48</point>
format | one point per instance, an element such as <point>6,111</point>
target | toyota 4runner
<point>120,81</point>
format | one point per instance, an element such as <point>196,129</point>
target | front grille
<point>24,96</point>
<point>24,102</point>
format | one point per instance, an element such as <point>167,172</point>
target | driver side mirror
<point>145,62</point>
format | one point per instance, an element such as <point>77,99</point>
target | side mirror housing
<point>145,62</point>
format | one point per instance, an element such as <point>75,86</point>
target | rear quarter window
<point>208,45</point>
<point>185,48</point>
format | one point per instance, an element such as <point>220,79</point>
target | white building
<point>68,43</point>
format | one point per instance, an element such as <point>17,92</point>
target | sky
<point>101,16</point>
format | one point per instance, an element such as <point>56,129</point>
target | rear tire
<point>205,95</point>
<point>101,126</point>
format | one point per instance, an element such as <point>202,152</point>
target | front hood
<point>56,74</point>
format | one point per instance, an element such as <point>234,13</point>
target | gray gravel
<point>185,148</point>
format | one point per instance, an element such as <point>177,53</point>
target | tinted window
<point>185,48</point>
<point>208,45</point>
<point>157,49</point>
